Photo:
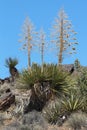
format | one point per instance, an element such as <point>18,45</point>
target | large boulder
<point>68,68</point>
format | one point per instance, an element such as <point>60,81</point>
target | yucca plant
<point>44,84</point>
<point>82,85</point>
<point>25,80</point>
<point>11,63</point>
<point>83,76</point>
<point>56,78</point>
<point>33,80</point>
<point>50,74</point>
<point>53,112</point>
<point>77,65</point>
<point>29,78</point>
<point>59,84</point>
<point>72,102</point>
<point>37,72</point>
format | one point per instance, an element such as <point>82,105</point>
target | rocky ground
<point>12,104</point>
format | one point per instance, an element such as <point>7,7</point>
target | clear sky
<point>42,13</point>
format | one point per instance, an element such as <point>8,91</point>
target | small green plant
<point>72,102</point>
<point>54,112</point>
<point>77,121</point>
<point>77,65</point>
<point>82,85</point>
<point>11,63</point>
<point>83,76</point>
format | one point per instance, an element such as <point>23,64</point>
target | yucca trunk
<point>13,71</point>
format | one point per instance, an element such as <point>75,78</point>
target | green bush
<point>35,121</point>
<point>10,62</point>
<point>54,112</point>
<point>73,101</point>
<point>65,105</point>
<point>51,74</point>
<point>82,85</point>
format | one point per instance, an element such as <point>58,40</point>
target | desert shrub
<point>31,127</point>
<point>51,73</point>
<point>73,101</point>
<point>33,120</point>
<point>63,107</point>
<point>10,128</point>
<point>82,85</point>
<point>82,81</point>
<point>77,65</point>
<point>54,112</point>
<point>77,121</point>
<point>11,63</point>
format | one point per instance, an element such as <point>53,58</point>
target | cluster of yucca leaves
<point>51,74</point>
<point>72,102</point>
<point>11,62</point>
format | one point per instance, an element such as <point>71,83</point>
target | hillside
<point>55,99</point>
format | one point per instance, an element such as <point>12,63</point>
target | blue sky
<point>42,14</point>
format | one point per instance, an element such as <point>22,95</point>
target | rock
<point>4,86</point>
<point>6,100</point>
<point>7,80</point>
<point>68,68</point>
<point>34,104</point>
<point>1,81</point>
<point>22,99</point>
<point>8,90</point>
